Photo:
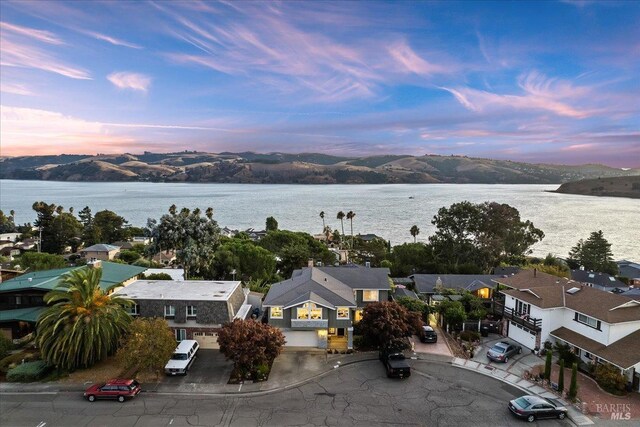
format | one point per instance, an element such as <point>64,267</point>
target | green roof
<point>22,314</point>
<point>112,274</point>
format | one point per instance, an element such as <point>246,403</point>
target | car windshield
<point>396,356</point>
<point>498,349</point>
<point>179,356</point>
<point>522,402</point>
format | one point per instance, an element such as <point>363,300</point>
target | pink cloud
<point>39,35</point>
<point>129,80</point>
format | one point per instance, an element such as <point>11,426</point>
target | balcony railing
<point>309,323</point>
<point>518,318</point>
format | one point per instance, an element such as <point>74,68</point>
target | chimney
<point>95,263</point>
<point>310,263</point>
<point>535,272</point>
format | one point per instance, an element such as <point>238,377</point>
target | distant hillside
<point>623,186</point>
<point>286,168</point>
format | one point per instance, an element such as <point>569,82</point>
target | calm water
<point>386,210</point>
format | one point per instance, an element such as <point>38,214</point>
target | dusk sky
<point>555,82</point>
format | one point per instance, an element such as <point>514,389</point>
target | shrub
<point>610,378</point>
<point>469,336</point>
<point>6,345</point>
<point>14,359</point>
<point>28,371</point>
<point>565,352</point>
<point>262,372</point>
<point>573,388</point>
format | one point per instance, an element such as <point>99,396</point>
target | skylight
<point>613,279</point>
<point>573,290</point>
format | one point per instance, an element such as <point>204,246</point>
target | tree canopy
<point>387,325</point>
<point>59,228</point>
<point>250,261</point>
<point>147,346</point>
<point>34,261</point>
<point>593,254</point>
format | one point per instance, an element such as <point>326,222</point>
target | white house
<point>602,327</point>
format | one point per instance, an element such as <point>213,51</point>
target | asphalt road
<point>354,395</point>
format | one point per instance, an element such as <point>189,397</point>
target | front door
<point>340,332</point>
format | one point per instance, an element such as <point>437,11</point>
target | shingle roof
<point>21,314</point>
<point>100,247</point>
<point>112,274</point>
<point>532,279</point>
<point>426,283</point>
<point>632,293</point>
<point>358,277</point>
<point>602,305</point>
<point>600,279</point>
<point>624,353</point>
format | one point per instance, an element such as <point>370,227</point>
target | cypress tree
<point>561,378</point>
<point>573,389</point>
<point>547,367</point>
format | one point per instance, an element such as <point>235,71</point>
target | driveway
<point>294,366</point>
<point>210,367</point>
<point>439,347</point>
<point>517,364</point>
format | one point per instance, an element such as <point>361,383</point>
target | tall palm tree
<point>83,323</point>
<point>327,233</point>
<point>350,216</point>
<point>340,216</point>
<point>322,216</point>
<point>414,232</point>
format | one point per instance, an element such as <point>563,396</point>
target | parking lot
<point>210,367</point>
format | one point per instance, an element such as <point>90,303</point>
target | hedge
<point>28,371</point>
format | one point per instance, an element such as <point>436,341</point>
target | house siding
<point>383,295</point>
<point>208,312</point>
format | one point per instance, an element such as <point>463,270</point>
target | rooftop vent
<point>573,290</point>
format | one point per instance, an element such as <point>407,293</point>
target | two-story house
<point>193,309</point>
<point>22,298</point>
<point>602,327</point>
<point>100,251</point>
<point>318,306</point>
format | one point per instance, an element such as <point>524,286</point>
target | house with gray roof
<point>318,306</point>
<point>481,285</point>
<point>602,281</point>
<point>630,270</point>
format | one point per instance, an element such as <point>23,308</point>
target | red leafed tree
<point>250,344</point>
<point>387,325</point>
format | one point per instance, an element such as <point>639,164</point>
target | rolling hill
<point>303,168</point>
<point>622,186</point>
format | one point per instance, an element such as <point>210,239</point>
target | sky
<point>551,82</point>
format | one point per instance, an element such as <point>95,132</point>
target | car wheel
<point>519,350</point>
<point>531,418</point>
<point>506,360</point>
<point>121,399</point>
<point>561,415</point>
<point>91,398</point>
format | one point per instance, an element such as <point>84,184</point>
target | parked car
<point>427,334</point>
<point>395,364</point>
<point>534,408</point>
<point>182,358</point>
<point>501,351</point>
<point>119,389</point>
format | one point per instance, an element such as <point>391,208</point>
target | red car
<point>120,389</point>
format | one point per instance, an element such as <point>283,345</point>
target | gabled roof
<point>331,286</point>
<point>427,283</point>
<point>624,353</point>
<point>311,297</point>
<point>603,280</point>
<point>100,247</point>
<point>532,279</point>
<point>112,274</point>
<point>632,293</point>
<point>21,314</point>
<point>593,302</point>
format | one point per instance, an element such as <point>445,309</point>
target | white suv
<point>182,358</point>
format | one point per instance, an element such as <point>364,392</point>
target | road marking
<point>171,422</point>
<point>240,388</point>
<point>42,424</point>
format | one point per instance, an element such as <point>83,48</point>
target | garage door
<point>301,338</point>
<point>522,335</point>
<point>207,339</point>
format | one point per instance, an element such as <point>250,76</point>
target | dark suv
<point>119,389</point>
<point>427,334</point>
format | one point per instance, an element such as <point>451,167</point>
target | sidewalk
<point>527,386</point>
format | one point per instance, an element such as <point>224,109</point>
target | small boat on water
<point>411,197</point>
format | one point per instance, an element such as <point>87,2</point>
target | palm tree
<point>414,232</point>
<point>327,233</point>
<point>83,323</point>
<point>322,216</point>
<point>340,216</point>
<point>350,216</point>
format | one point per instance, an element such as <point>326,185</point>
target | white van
<point>182,358</point>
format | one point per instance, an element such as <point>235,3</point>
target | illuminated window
<point>276,312</point>
<point>483,293</point>
<point>358,316</point>
<point>309,311</point>
<point>368,296</point>
<point>342,313</point>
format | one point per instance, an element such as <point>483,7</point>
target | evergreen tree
<point>561,378</point>
<point>547,366</point>
<point>593,254</point>
<point>573,388</point>
<point>271,224</point>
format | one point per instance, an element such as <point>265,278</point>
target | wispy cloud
<point>19,50</point>
<point>540,93</point>
<point>129,80</point>
<point>110,39</point>
<point>15,88</point>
